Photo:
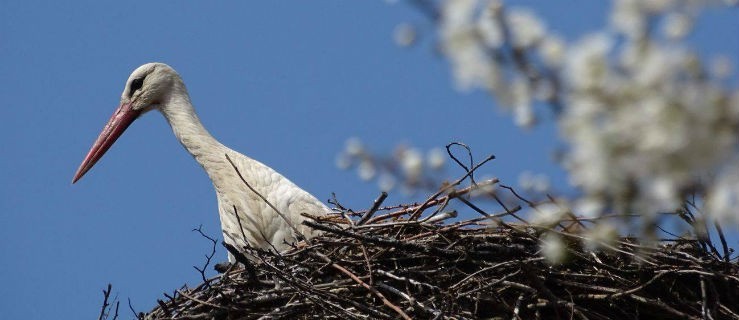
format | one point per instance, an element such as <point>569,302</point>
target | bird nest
<point>419,262</point>
<point>412,262</point>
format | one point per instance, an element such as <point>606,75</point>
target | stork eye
<point>135,85</point>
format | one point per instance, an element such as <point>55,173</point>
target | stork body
<point>246,218</point>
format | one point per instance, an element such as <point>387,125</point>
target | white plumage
<point>158,86</point>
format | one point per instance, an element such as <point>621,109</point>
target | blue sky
<point>285,83</point>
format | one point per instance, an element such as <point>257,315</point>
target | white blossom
<point>404,35</point>
<point>526,28</point>
<point>553,248</point>
<point>483,189</point>
<point>541,183</point>
<point>588,207</point>
<point>721,67</point>
<point>386,182</point>
<point>489,26</point>
<point>436,158</point>
<point>529,181</point>
<point>343,161</point>
<point>587,62</point>
<point>412,163</point>
<point>526,180</point>
<point>656,6</point>
<point>366,170</point>
<point>644,118</point>
<point>677,25</point>
<point>642,123</point>
<point>473,32</point>
<point>354,147</point>
<point>723,199</point>
<point>520,94</point>
<point>552,50</point>
<point>470,64</point>
<point>547,215</point>
<point>662,193</point>
<point>601,235</point>
<point>629,17</point>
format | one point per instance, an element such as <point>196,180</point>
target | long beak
<point>121,119</point>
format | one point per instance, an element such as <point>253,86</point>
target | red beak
<point>121,119</point>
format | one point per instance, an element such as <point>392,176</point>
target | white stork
<point>246,218</point>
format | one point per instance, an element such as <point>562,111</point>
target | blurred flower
<point>473,37</point>
<point>521,101</point>
<point>644,118</point>
<point>483,188</point>
<point>587,62</point>
<point>525,180</point>
<point>642,121</point>
<point>721,67</point>
<point>489,26</point>
<point>526,28</point>
<point>676,25</point>
<point>629,17</point>
<point>405,167</point>
<point>588,207</point>
<point>366,170</point>
<point>541,183</point>
<point>436,158</point>
<point>343,161</point>
<point>552,50</point>
<point>553,248</point>
<point>662,193</point>
<point>601,235</point>
<point>547,215</point>
<point>529,181</point>
<point>386,182</point>
<point>404,35</point>
<point>354,147</point>
<point>412,163</point>
<point>460,42</point>
<point>723,197</point>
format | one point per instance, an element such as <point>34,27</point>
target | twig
<point>371,211</point>
<point>434,202</point>
<point>387,242</point>
<point>409,299</point>
<point>662,306</point>
<point>139,315</point>
<point>469,154</point>
<point>722,238</point>
<point>206,303</point>
<point>208,257</point>
<point>241,226</point>
<point>241,258</point>
<point>385,301</point>
<point>105,309</point>
<point>417,212</point>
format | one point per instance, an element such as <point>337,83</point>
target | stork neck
<point>191,133</point>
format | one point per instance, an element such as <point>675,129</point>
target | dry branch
<point>393,266</point>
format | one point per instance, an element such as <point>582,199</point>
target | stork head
<point>146,89</point>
